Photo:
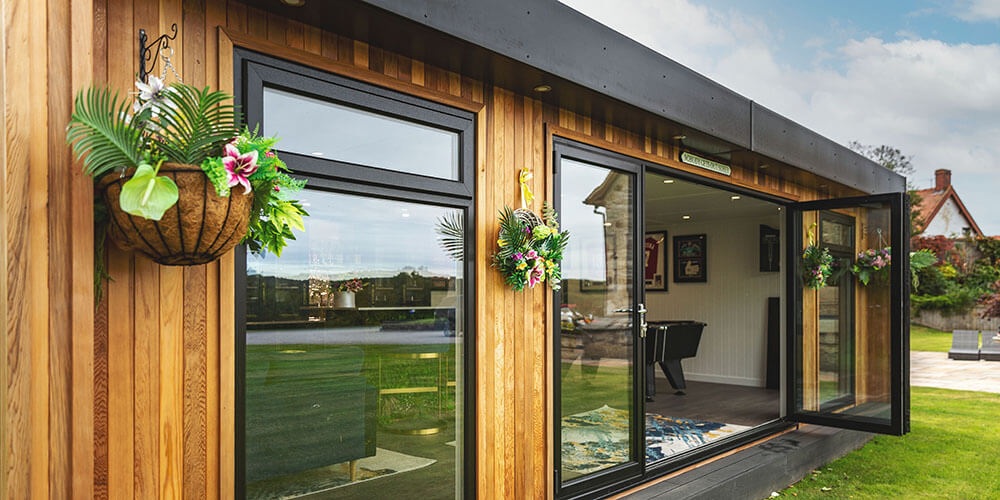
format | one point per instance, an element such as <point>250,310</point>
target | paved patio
<point>934,369</point>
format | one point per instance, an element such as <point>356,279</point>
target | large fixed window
<point>355,350</point>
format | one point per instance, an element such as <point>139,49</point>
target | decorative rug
<point>598,439</point>
<point>385,463</point>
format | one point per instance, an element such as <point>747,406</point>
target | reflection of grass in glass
<point>593,387</point>
<point>395,373</point>
<point>352,375</point>
<point>828,390</point>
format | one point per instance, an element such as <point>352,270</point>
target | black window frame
<point>251,72</point>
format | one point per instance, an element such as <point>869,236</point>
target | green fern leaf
<point>100,134</point>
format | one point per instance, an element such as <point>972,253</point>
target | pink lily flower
<point>239,166</point>
<point>535,275</point>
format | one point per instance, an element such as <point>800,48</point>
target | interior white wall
<point>733,302</point>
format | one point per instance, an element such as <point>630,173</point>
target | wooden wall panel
<point>135,398</point>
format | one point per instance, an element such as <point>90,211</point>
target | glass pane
<point>358,393</point>
<point>337,132</point>
<point>845,337</point>
<point>596,337</point>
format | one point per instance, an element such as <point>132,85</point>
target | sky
<point>921,76</point>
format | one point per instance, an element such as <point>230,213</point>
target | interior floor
<point>731,404</point>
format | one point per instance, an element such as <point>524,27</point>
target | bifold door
<point>848,310</point>
<point>597,375</point>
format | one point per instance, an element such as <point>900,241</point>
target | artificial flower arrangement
<point>530,248</point>
<point>180,182</point>
<point>872,263</point>
<point>353,286</point>
<point>817,263</point>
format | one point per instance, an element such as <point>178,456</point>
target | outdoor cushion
<point>991,347</point>
<point>964,345</point>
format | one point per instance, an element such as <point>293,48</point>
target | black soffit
<point>519,44</point>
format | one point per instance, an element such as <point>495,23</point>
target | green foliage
<point>920,260</point>
<point>275,214</point>
<point>146,194</point>
<point>451,235</point>
<point>989,248</point>
<point>528,255</point>
<point>194,124</point>
<point>101,132</point>
<point>956,300</point>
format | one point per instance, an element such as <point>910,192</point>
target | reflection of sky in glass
<point>352,236</point>
<point>585,255</point>
<point>311,126</point>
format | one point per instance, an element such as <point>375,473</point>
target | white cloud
<point>978,10</point>
<point>937,102</point>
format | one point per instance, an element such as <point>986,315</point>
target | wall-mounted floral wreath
<point>530,248</point>
<point>178,181</point>
<point>817,263</point>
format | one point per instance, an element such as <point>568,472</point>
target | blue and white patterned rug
<point>598,439</point>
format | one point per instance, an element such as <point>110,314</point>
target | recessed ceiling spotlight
<point>294,3</point>
<point>734,197</point>
<point>542,88</point>
<point>686,217</point>
<point>317,153</point>
<point>607,224</point>
<point>668,181</point>
<point>779,209</point>
<point>763,166</point>
<point>680,137</point>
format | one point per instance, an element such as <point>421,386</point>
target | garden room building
<point>732,310</point>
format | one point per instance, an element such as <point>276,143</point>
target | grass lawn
<point>951,452</point>
<point>923,338</point>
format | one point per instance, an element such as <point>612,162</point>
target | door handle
<point>643,326</point>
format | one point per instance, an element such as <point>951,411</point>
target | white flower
<point>153,94</point>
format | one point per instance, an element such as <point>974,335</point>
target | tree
<point>894,159</point>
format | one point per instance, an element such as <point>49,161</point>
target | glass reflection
<point>324,129</point>
<point>596,338</point>
<point>845,338</point>
<point>353,357</point>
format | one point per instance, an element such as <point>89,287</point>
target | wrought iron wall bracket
<point>147,55</point>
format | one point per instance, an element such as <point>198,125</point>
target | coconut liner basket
<point>199,228</point>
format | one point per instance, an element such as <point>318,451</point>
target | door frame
<point>899,367</point>
<point>634,470</point>
<point>615,482</point>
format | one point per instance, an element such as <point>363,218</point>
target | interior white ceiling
<point>666,204</point>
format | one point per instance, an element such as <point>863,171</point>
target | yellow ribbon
<point>526,196</point>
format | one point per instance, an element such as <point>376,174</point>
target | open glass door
<point>598,408</point>
<point>848,308</point>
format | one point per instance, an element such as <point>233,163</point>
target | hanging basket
<point>198,229</point>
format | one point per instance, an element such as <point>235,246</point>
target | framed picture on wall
<point>770,249</point>
<point>655,254</point>
<point>691,258</point>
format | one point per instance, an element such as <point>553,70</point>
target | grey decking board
<point>754,472</point>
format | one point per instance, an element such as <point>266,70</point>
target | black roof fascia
<point>513,43</point>
<point>561,41</point>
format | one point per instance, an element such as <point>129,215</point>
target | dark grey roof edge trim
<point>558,40</point>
